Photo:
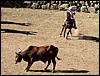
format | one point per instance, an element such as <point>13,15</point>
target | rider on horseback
<point>71,11</point>
<point>69,21</point>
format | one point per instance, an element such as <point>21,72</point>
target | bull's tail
<point>58,58</point>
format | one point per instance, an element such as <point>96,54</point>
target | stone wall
<point>81,6</point>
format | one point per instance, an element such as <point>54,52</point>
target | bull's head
<point>18,56</point>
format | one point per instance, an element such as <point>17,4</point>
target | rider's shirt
<point>71,10</point>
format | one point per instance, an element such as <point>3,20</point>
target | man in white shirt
<point>71,11</point>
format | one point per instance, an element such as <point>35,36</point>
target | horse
<point>68,24</point>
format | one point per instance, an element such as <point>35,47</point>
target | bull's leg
<point>62,30</point>
<point>49,61</point>
<point>29,65</point>
<point>54,64</point>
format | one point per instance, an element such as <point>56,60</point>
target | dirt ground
<point>79,57</point>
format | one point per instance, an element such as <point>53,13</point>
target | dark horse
<point>68,24</point>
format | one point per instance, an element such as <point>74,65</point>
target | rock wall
<point>81,6</point>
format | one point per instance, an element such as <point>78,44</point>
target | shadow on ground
<point>8,22</point>
<point>89,38</point>
<point>17,31</point>
<point>62,71</point>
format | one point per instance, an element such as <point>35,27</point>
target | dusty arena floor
<point>23,27</point>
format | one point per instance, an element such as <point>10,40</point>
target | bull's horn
<point>19,50</point>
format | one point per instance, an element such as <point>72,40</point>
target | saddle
<point>69,24</point>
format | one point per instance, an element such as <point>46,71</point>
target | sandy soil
<point>79,57</point>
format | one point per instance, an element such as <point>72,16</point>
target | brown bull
<point>35,53</point>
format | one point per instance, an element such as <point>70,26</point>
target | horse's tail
<point>58,58</point>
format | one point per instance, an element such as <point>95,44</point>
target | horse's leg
<point>67,34</point>
<point>65,31</point>
<point>70,32</point>
<point>74,23</point>
<point>62,30</point>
